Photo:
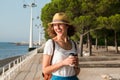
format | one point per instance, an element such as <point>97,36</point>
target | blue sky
<point>15,20</point>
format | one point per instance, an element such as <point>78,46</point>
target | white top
<point>59,55</point>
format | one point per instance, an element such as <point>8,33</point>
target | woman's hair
<point>70,32</point>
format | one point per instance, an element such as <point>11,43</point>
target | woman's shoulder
<point>49,41</point>
<point>48,47</point>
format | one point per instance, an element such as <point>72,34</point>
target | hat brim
<point>57,22</point>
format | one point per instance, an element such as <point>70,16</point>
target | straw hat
<point>60,18</point>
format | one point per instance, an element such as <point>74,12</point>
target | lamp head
<point>34,5</point>
<point>24,5</point>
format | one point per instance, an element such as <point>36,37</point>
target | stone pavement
<point>100,67</point>
<point>32,71</point>
<point>99,73</point>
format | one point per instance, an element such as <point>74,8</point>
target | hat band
<point>60,21</point>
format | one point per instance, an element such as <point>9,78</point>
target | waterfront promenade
<point>32,71</point>
<point>92,68</point>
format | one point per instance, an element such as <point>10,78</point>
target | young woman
<point>60,30</point>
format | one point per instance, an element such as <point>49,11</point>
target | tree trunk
<point>96,43</point>
<point>89,44</point>
<point>81,45</point>
<point>106,47</point>
<point>116,45</point>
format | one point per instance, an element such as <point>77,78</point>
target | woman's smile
<point>59,28</point>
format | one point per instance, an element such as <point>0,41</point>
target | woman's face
<point>60,29</point>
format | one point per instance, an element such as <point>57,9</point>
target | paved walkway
<point>99,74</point>
<point>32,71</point>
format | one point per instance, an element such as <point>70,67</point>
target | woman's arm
<point>47,68</point>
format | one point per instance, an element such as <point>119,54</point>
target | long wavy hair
<point>70,32</point>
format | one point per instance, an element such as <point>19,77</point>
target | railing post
<point>13,66</point>
<point>17,69</point>
<point>13,63</point>
<point>9,76</point>
<point>9,66</point>
<point>3,71</point>
<point>20,62</point>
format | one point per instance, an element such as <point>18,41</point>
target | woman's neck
<point>63,42</point>
<point>61,38</point>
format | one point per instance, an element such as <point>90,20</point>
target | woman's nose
<point>58,26</point>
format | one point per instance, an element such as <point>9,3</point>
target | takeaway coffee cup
<point>72,55</point>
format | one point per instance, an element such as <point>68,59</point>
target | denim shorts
<point>64,78</point>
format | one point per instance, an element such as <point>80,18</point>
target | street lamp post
<point>31,25</point>
<point>39,31</point>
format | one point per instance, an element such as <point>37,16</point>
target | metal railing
<point>12,68</point>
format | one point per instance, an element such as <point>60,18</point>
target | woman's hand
<point>69,61</point>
